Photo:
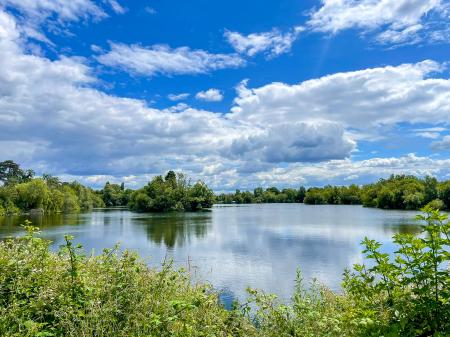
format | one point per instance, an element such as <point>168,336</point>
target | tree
<point>32,195</point>
<point>200,196</point>
<point>301,194</point>
<point>11,173</point>
<point>444,193</point>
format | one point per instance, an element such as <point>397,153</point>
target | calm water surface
<point>234,247</point>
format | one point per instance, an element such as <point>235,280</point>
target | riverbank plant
<point>404,295</point>
<point>69,293</point>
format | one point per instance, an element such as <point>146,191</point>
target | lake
<point>234,247</point>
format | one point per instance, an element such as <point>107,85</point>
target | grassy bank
<point>69,293</point>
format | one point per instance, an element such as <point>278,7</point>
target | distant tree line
<point>260,195</point>
<point>21,192</point>
<point>396,192</point>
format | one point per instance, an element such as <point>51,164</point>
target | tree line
<point>396,192</point>
<point>21,191</point>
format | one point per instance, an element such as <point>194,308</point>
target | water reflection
<point>175,229</point>
<point>235,247</point>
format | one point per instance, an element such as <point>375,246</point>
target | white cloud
<point>150,10</point>
<point>365,170</point>
<point>83,131</point>
<point>441,145</point>
<point>117,7</point>
<point>430,133</point>
<point>178,97</point>
<point>54,118</point>
<point>210,95</point>
<point>407,35</point>
<point>161,59</point>
<point>63,10</point>
<point>364,100</point>
<point>397,21</point>
<point>294,142</point>
<point>36,16</point>
<point>273,43</point>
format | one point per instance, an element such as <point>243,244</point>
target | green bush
<point>408,295</point>
<point>114,294</point>
<point>436,204</point>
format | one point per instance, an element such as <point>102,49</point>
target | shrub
<point>113,294</point>
<point>409,295</point>
<point>436,204</point>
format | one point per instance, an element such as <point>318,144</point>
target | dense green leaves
<point>259,195</point>
<point>115,195</point>
<point>11,173</point>
<point>113,294</point>
<point>405,192</point>
<point>70,294</point>
<point>172,193</point>
<point>413,289</point>
<point>46,195</point>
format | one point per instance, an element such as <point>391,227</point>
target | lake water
<point>234,247</point>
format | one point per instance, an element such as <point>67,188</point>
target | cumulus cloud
<point>441,145</point>
<point>163,60</point>
<point>210,95</point>
<point>272,43</point>
<point>83,131</point>
<point>394,21</point>
<point>294,142</point>
<point>54,119</point>
<point>178,97</point>
<point>362,100</point>
<point>357,171</point>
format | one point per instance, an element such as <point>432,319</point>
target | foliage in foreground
<point>406,296</point>
<point>70,294</point>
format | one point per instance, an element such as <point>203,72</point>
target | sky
<point>239,94</point>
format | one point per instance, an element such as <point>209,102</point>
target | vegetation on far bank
<point>69,293</point>
<point>396,192</point>
<point>20,192</point>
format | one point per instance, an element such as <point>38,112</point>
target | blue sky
<point>237,93</point>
